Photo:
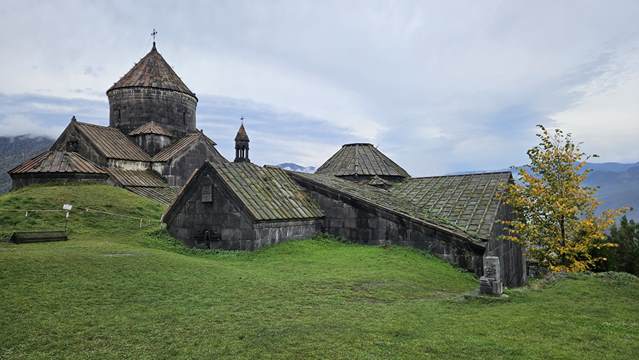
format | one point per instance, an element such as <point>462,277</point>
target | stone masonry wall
<point>130,108</point>
<point>228,226</point>
<point>223,224</point>
<point>179,169</point>
<point>270,233</point>
<point>360,222</point>
<point>512,260</point>
<point>152,143</point>
<point>73,140</point>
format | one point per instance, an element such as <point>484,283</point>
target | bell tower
<point>242,145</point>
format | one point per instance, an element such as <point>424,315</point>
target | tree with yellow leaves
<point>554,214</point>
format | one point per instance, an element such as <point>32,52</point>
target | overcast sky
<point>440,86</point>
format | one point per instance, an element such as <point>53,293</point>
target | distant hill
<point>15,150</point>
<point>295,167</point>
<point>618,186</point>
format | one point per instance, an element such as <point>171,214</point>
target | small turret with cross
<point>242,144</point>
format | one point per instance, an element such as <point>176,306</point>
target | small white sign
<point>67,207</point>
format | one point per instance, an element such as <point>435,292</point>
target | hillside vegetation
<point>117,290</point>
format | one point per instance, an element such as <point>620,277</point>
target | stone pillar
<point>490,283</point>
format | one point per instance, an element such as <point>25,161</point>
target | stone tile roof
<point>241,134</point>
<point>379,182</point>
<point>58,162</point>
<point>152,71</point>
<point>266,193</point>
<point>464,205</point>
<point>165,195</point>
<point>360,159</point>
<point>151,128</point>
<point>145,183</point>
<point>146,178</point>
<point>172,150</point>
<point>469,202</point>
<point>111,142</point>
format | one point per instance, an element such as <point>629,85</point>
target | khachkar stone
<point>490,283</point>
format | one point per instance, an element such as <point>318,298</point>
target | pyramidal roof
<point>241,134</point>
<point>152,71</point>
<point>361,159</point>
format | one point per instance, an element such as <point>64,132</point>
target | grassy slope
<point>117,291</point>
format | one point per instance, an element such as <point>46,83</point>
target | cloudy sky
<point>441,86</point>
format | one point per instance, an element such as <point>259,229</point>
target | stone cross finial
<point>153,33</point>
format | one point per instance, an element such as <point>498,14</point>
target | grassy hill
<point>116,290</point>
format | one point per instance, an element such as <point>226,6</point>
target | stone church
<point>151,146</point>
<point>360,195</point>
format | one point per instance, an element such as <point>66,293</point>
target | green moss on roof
<point>466,205</point>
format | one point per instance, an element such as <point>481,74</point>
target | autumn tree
<point>554,214</point>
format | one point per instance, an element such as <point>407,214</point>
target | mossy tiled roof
<point>466,205</point>
<point>268,193</point>
<point>361,159</point>
<point>469,202</point>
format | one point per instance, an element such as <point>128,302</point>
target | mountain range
<point>618,183</point>
<point>294,167</point>
<point>16,150</point>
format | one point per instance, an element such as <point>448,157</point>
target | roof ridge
<point>470,174</point>
<point>95,125</point>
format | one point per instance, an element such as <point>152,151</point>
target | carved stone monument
<point>490,283</point>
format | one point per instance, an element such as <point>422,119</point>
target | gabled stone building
<point>241,206</point>
<point>359,194</point>
<point>151,142</point>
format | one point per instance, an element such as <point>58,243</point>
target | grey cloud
<point>443,86</point>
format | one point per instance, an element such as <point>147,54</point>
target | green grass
<point>117,291</point>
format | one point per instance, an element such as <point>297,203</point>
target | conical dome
<point>152,71</point>
<point>361,160</point>
<point>152,91</point>
<point>241,134</point>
